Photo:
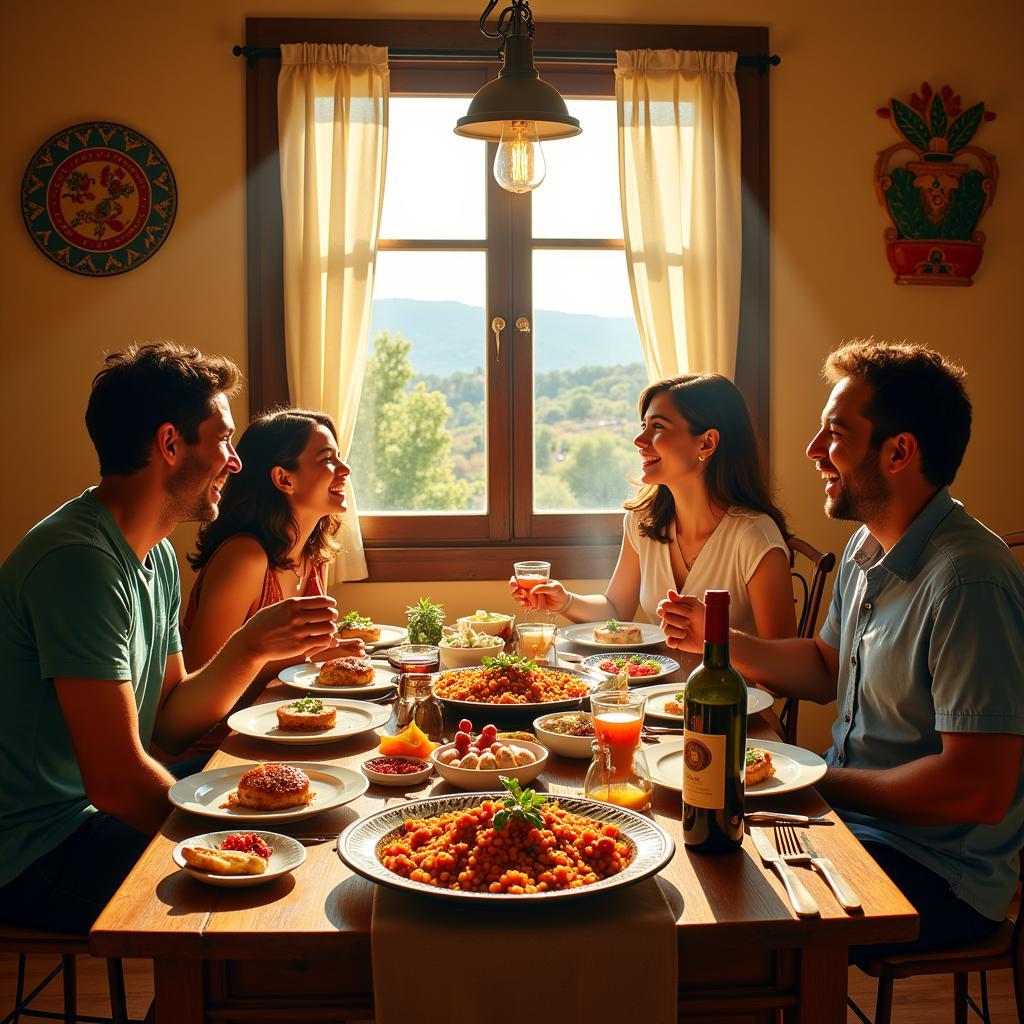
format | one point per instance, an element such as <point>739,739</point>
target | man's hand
<point>293,628</point>
<point>682,619</point>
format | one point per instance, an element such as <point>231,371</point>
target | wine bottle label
<point>704,770</point>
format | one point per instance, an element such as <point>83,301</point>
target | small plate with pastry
<point>309,720</point>
<point>238,859</point>
<point>665,701</point>
<point>613,634</point>
<point>354,626</point>
<point>340,677</point>
<point>268,791</point>
<point>772,767</point>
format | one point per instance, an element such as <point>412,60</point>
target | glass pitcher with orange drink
<point>618,774</point>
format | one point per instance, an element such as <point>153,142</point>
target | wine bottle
<point>714,739</point>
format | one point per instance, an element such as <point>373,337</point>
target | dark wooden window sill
<point>489,560</point>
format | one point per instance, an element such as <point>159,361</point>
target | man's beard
<point>189,499</point>
<point>863,496</point>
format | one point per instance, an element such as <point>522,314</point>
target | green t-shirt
<point>76,602</point>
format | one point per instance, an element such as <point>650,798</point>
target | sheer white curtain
<point>332,108</point>
<point>679,174</point>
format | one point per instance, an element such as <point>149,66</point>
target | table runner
<point>604,959</point>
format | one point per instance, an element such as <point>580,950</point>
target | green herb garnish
<point>612,624</point>
<point>356,621</point>
<point>501,662</point>
<point>519,804</point>
<point>310,705</point>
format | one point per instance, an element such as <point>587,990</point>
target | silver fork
<point>793,850</point>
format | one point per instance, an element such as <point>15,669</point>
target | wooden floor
<point>918,1000</point>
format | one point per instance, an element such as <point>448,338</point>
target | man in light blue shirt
<point>922,649</point>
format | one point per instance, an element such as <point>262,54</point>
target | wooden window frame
<point>486,548</point>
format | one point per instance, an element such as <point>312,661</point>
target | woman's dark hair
<point>735,474</point>
<point>147,385</point>
<point>252,504</point>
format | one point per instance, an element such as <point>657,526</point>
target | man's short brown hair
<point>916,391</point>
<point>147,385</point>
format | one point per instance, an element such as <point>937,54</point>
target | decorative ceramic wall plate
<point>98,198</point>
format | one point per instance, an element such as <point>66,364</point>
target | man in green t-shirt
<point>93,671</point>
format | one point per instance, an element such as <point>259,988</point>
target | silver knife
<point>778,818</point>
<point>801,900</point>
<point>847,898</point>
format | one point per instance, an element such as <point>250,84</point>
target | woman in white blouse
<point>703,519</point>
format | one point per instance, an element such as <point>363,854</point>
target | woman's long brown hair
<point>252,504</point>
<point>735,474</point>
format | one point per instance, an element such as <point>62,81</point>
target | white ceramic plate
<point>305,677</point>
<point>353,717</point>
<point>667,665</point>
<point>659,696</point>
<point>583,634</point>
<point>288,855</point>
<point>204,792</point>
<point>359,843</point>
<point>389,636</point>
<point>795,767</point>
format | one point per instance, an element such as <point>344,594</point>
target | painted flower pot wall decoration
<point>936,187</point>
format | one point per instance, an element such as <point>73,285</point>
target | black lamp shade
<point>517,94</point>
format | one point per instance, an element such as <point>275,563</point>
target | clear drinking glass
<point>415,658</point>
<point>537,641</point>
<point>529,575</point>
<point>618,774</point>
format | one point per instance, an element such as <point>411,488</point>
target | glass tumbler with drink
<point>529,575</point>
<point>618,774</point>
<point>537,641</point>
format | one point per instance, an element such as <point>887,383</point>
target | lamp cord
<point>511,19</point>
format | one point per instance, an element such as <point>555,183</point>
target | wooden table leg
<point>178,991</point>
<point>822,986</point>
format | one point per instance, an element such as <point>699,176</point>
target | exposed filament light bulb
<point>519,166</point>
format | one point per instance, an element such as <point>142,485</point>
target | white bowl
<point>411,779</point>
<point>499,627</point>
<point>468,657</point>
<point>474,779</point>
<point>559,743</point>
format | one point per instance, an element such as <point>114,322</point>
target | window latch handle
<point>497,325</point>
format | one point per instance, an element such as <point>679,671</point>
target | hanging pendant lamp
<point>517,110</point>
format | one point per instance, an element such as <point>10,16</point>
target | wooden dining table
<point>297,949</point>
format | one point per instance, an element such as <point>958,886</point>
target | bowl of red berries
<point>476,761</point>
<point>396,771</point>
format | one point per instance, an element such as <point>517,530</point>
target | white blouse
<point>726,562</point>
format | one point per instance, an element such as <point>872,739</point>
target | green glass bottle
<point>714,740</point>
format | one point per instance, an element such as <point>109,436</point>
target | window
<point>471,449</point>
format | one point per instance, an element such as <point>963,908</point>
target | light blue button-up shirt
<point>931,639</point>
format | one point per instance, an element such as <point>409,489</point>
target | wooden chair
<point>25,942</point>
<point>809,587</point>
<point>1014,540</point>
<point>1003,949</point>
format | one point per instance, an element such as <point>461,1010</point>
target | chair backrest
<point>809,587</point>
<point>1015,540</point>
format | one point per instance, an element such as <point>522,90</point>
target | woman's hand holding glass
<point>682,620</point>
<point>545,597</point>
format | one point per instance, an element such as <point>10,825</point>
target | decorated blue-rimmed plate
<point>658,664</point>
<point>98,198</point>
<point>359,847</point>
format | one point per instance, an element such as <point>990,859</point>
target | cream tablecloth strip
<point>603,959</point>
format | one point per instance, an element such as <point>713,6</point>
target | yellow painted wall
<point>166,69</point>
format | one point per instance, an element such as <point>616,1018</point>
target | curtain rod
<point>253,54</point>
